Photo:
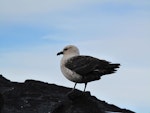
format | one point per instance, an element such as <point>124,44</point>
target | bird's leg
<point>74,86</point>
<point>85,86</point>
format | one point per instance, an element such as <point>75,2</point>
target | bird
<point>83,68</point>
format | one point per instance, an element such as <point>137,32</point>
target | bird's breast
<point>70,75</point>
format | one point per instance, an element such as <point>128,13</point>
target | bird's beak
<point>59,53</point>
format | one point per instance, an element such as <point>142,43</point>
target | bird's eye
<point>65,49</point>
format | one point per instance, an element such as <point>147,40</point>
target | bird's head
<point>69,50</point>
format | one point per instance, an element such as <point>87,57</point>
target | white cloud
<point>23,7</point>
<point>33,9</point>
<point>28,7</point>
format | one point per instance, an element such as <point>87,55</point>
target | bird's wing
<point>84,65</point>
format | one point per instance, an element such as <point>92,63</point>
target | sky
<point>32,32</point>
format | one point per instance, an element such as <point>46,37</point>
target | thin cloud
<point>32,8</point>
<point>27,7</point>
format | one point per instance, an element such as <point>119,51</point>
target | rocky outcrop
<point>38,97</point>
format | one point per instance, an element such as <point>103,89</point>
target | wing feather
<point>84,65</point>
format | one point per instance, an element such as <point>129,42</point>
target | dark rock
<point>39,97</point>
<point>1,102</point>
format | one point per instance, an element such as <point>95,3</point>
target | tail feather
<point>111,69</point>
<point>114,65</point>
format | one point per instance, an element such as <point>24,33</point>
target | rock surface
<point>38,97</point>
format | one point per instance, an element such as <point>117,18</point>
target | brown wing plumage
<point>90,68</point>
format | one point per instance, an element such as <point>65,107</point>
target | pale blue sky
<point>33,31</point>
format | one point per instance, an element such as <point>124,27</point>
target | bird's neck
<point>67,56</point>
